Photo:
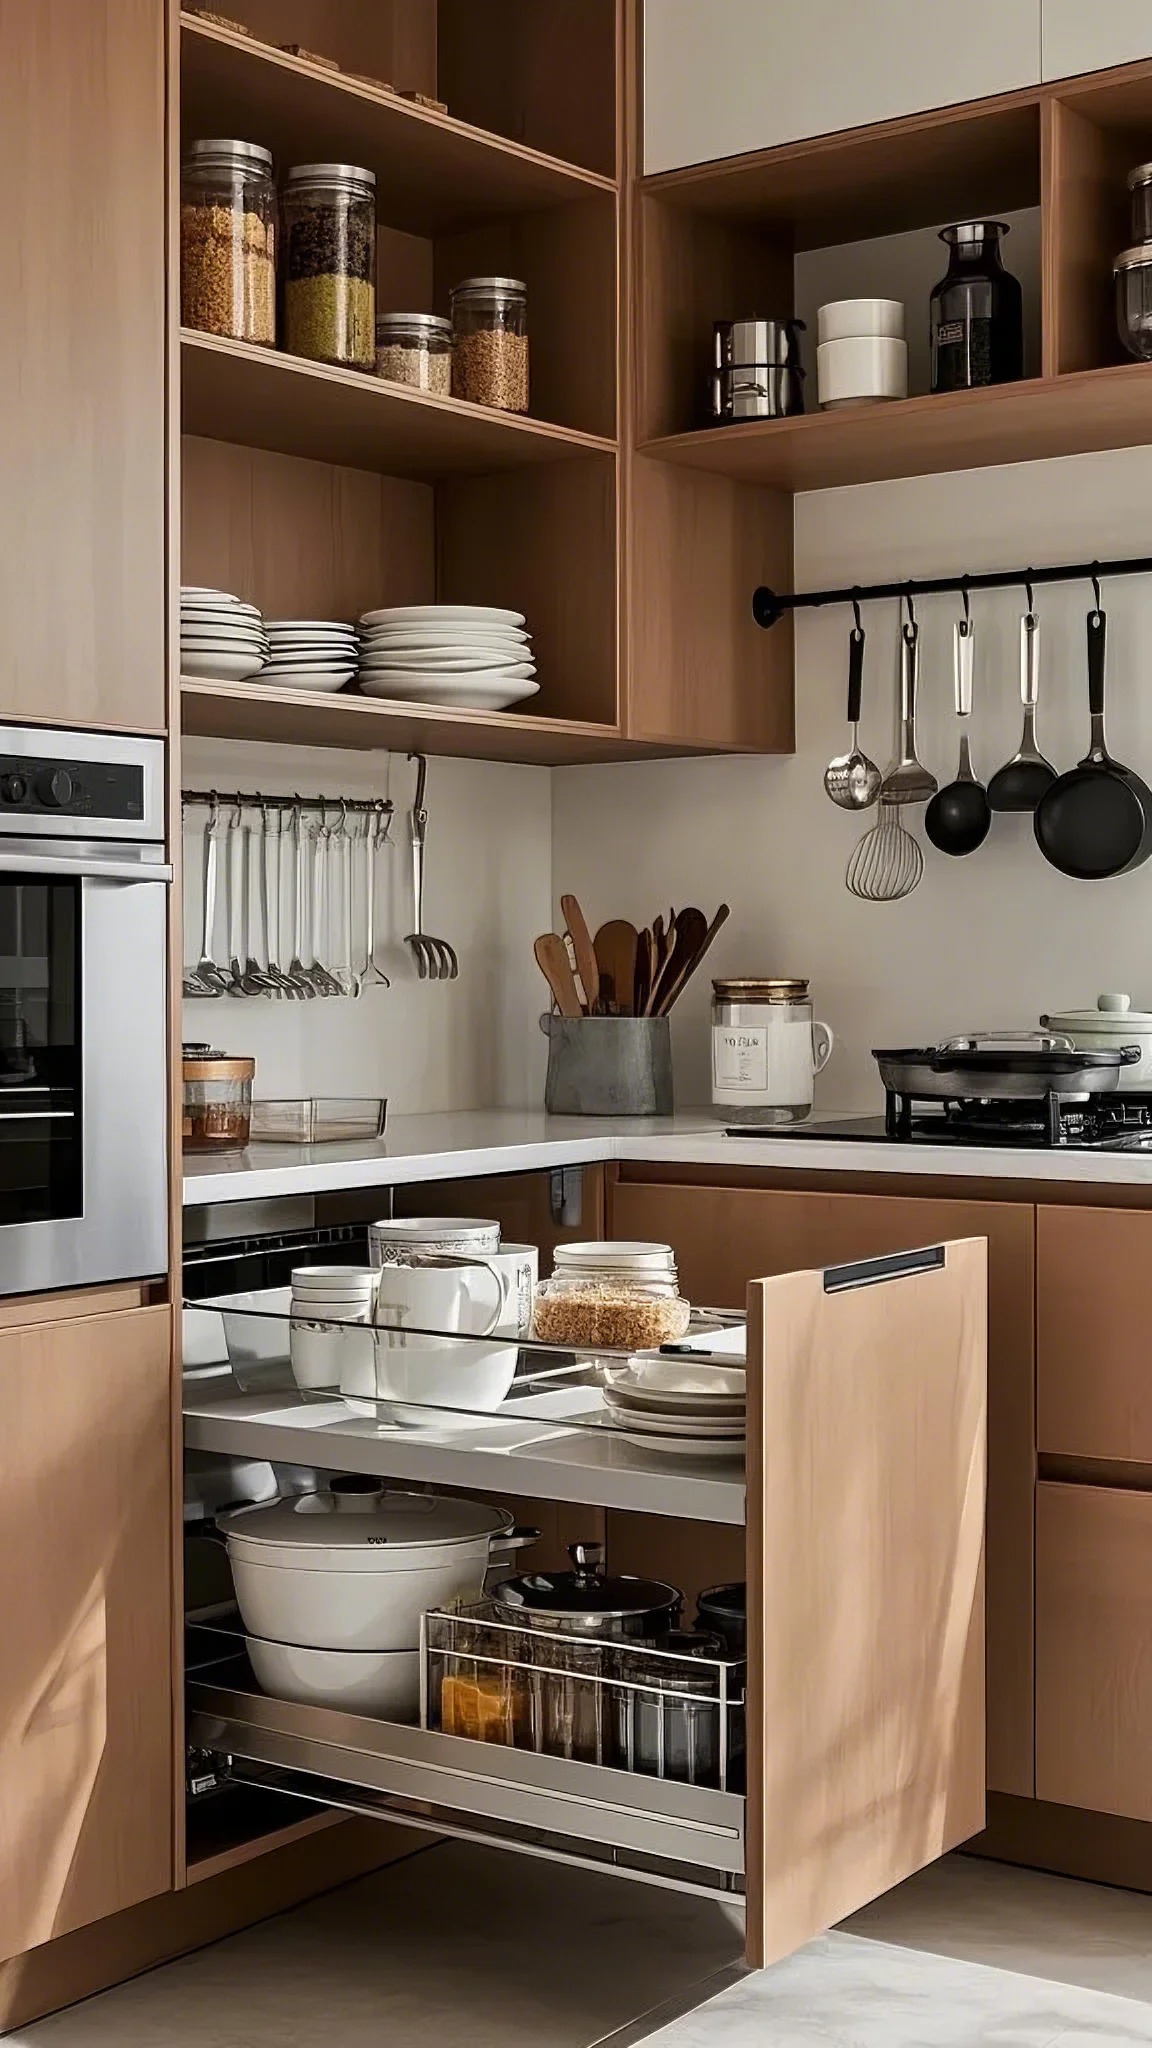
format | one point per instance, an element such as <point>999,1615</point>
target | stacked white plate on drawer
<point>221,637</point>
<point>861,353</point>
<point>469,656</point>
<point>310,654</point>
<point>682,1406</point>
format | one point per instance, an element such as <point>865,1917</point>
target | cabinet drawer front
<point>1093,1317</point>
<point>1094,1649</point>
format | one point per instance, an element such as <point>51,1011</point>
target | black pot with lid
<point>588,1602</point>
<point>724,1610</point>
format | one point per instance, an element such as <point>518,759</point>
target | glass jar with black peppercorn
<point>977,312</point>
<point>329,230</point>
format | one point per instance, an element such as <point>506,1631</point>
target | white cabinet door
<point>1078,36</point>
<point>746,74</point>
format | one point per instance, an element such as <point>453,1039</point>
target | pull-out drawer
<point>683,1835</point>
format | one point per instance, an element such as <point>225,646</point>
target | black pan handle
<point>1096,628</point>
<point>855,673</point>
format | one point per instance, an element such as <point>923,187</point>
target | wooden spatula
<point>645,956</point>
<point>673,987</point>
<point>615,947</point>
<point>586,963</point>
<point>554,964</point>
<point>686,939</point>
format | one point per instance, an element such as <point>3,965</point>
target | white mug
<point>398,1239</point>
<point>518,1269</point>
<point>423,1312</point>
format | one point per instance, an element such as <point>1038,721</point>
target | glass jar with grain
<point>228,240</point>
<point>329,215</point>
<point>415,349</point>
<point>490,342</point>
<point>611,1295</point>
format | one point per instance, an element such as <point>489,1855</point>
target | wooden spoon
<point>644,953</point>
<point>615,947</point>
<point>686,939</point>
<point>554,964</point>
<point>586,964</point>
<point>671,990</point>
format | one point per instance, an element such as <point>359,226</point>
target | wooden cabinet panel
<point>1093,1311</point>
<point>726,1236</point>
<point>1094,1649</point>
<point>1075,38</point>
<point>86,1810</point>
<point>865,1584</point>
<point>82,339</point>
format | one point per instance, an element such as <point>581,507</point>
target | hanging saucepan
<point>1096,820</point>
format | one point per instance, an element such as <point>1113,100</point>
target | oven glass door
<point>41,1054</point>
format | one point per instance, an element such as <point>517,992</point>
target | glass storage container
<point>329,214</point>
<point>1140,202</point>
<point>490,342</point>
<point>666,1717</point>
<point>228,241</point>
<point>217,1100</point>
<point>767,1049</point>
<point>1132,272</point>
<point>977,311</point>
<point>613,1296</point>
<point>416,349</point>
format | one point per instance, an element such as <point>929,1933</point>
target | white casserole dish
<point>384,1682</point>
<point>1112,1023</point>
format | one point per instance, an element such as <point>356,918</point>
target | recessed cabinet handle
<point>895,1266</point>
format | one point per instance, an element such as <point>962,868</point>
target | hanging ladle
<point>1023,780</point>
<point>851,779</point>
<point>958,817</point>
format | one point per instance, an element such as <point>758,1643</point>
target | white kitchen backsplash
<point>468,1044</point>
<point>987,942</point>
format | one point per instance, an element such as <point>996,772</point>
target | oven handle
<point>88,866</point>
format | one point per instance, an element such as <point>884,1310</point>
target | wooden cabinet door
<point>865,1582</point>
<point>737,75</point>
<point>86,1781</point>
<point>1094,1648</point>
<point>1093,1313</point>
<point>1076,37</point>
<point>82,342</point>
<point>726,1236</point>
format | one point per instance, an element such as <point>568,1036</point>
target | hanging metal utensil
<point>1096,820</point>
<point>435,959</point>
<point>297,972</point>
<point>1023,780</point>
<point>852,780</point>
<point>888,862</point>
<point>958,817</point>
<point>907,781</point>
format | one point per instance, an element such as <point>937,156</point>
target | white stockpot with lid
<point>1111,1024</point>
<point>355,1567</point>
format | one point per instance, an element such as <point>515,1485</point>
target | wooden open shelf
<point>435,175</point>
<point>236,391</point>
<point>246,711</point>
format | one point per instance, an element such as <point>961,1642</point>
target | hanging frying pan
<point>1096,820</point>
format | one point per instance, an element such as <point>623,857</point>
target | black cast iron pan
<point>1096,820</point>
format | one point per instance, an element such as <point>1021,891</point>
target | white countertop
<point>459,1145</point>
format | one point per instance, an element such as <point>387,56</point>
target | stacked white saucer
<point>310,654</point>
<point>221,637</point>
<point>468,655</point>
<point>680,1406</point>
<point>324,1297</point>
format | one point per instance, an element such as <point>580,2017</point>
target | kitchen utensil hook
<point>966,601</point>
<point>911,609</point>
<point>1028,592</point>
<point>1096,586</point>
<point>858,621</point>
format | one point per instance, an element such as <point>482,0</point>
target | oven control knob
<point>13,789</point>
<point>55,787</point>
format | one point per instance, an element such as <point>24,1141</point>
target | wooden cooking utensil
<point>644,950</point>
<point>586,963</point>
<point>554,964</point>
<point>615,947</point>
<point>686,938</point>
<point>672,989</point>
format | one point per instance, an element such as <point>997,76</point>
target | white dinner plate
<point>680,1381</point>
<point>442,614</point>
<point>309,626</point>
<point>460,696</point>
<point>323,679</point>
<point>220,668</point>
<point>444,657</point>
<point>312,665</point>
<point>728,1449</point>
<point>439,680</point>
<point>280,646</point>
<point>450,671</point>
<point>708,1407</point>
<point>434,643</point>
<point>655,1423</point>
<point>233,621</point>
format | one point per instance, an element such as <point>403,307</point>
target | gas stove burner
<point>1118,1121</point>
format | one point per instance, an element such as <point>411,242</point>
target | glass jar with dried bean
<point>416,349</point>
<point>490,342</point>
<point>228,240</point>
<point>329,213</point>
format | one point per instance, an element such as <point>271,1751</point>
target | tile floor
<point>464,1944</point>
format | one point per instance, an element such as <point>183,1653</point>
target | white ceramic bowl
<point>852,319</point>
<point>416,1376</point>
<point>259,1335</point>
<point>861,371</point>
<point>319,1356</point>
<point>333,1279</point>
<point>390,1240</point>
<point>384,1682</point>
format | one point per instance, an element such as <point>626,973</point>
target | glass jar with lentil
<point>416,349</point>
<point>228,241</point>
<point>329,215</point>
<point>490,342</point>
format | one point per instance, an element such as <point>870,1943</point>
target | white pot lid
<point>623,1252</point>
<point>1113,1014</point>
<point>360,1519</point>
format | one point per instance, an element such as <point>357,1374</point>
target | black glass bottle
<point>977,312</point>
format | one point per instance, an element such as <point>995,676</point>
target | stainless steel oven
<point>83,1006</point>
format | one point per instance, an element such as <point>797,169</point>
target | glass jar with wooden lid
<point>767,1049</point>
<point>217,1100</point>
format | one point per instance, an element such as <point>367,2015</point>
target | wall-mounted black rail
<point>770,605</point>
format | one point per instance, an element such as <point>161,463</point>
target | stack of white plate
<point>220,637</point>
<point>323,1299</point>
<point>467,655</point>
<point>680,1406</point>
<point>310,654</point>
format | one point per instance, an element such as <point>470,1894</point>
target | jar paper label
<point>739,1057</point>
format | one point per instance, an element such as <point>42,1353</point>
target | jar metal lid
<point>219,150</point>
<point>777,990</point>
<point>481,287</point>
<point>963,234</point>
<point>586,1591</point>
<point>218,1066</point>
<point>1134,259</point>
<point>432,324</point>
<point>347,175</point>
<point>1141,175</point>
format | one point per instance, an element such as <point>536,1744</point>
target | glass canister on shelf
<point>217,1100</point>
<point>228,240</point>
<point>329,214</point>
<point>977,328</point>
<point>415,349</point>
<point>490,342</point>
<point>767,1049</point>
<point>1140,202</point>
<point>1132,274</point>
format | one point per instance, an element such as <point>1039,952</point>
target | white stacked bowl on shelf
<point>470,656</point>
<point>324,1297</point>
<point>861,353</point>
<point>679,1406</point>
<point>310,654</point>
<point>222,639</point>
